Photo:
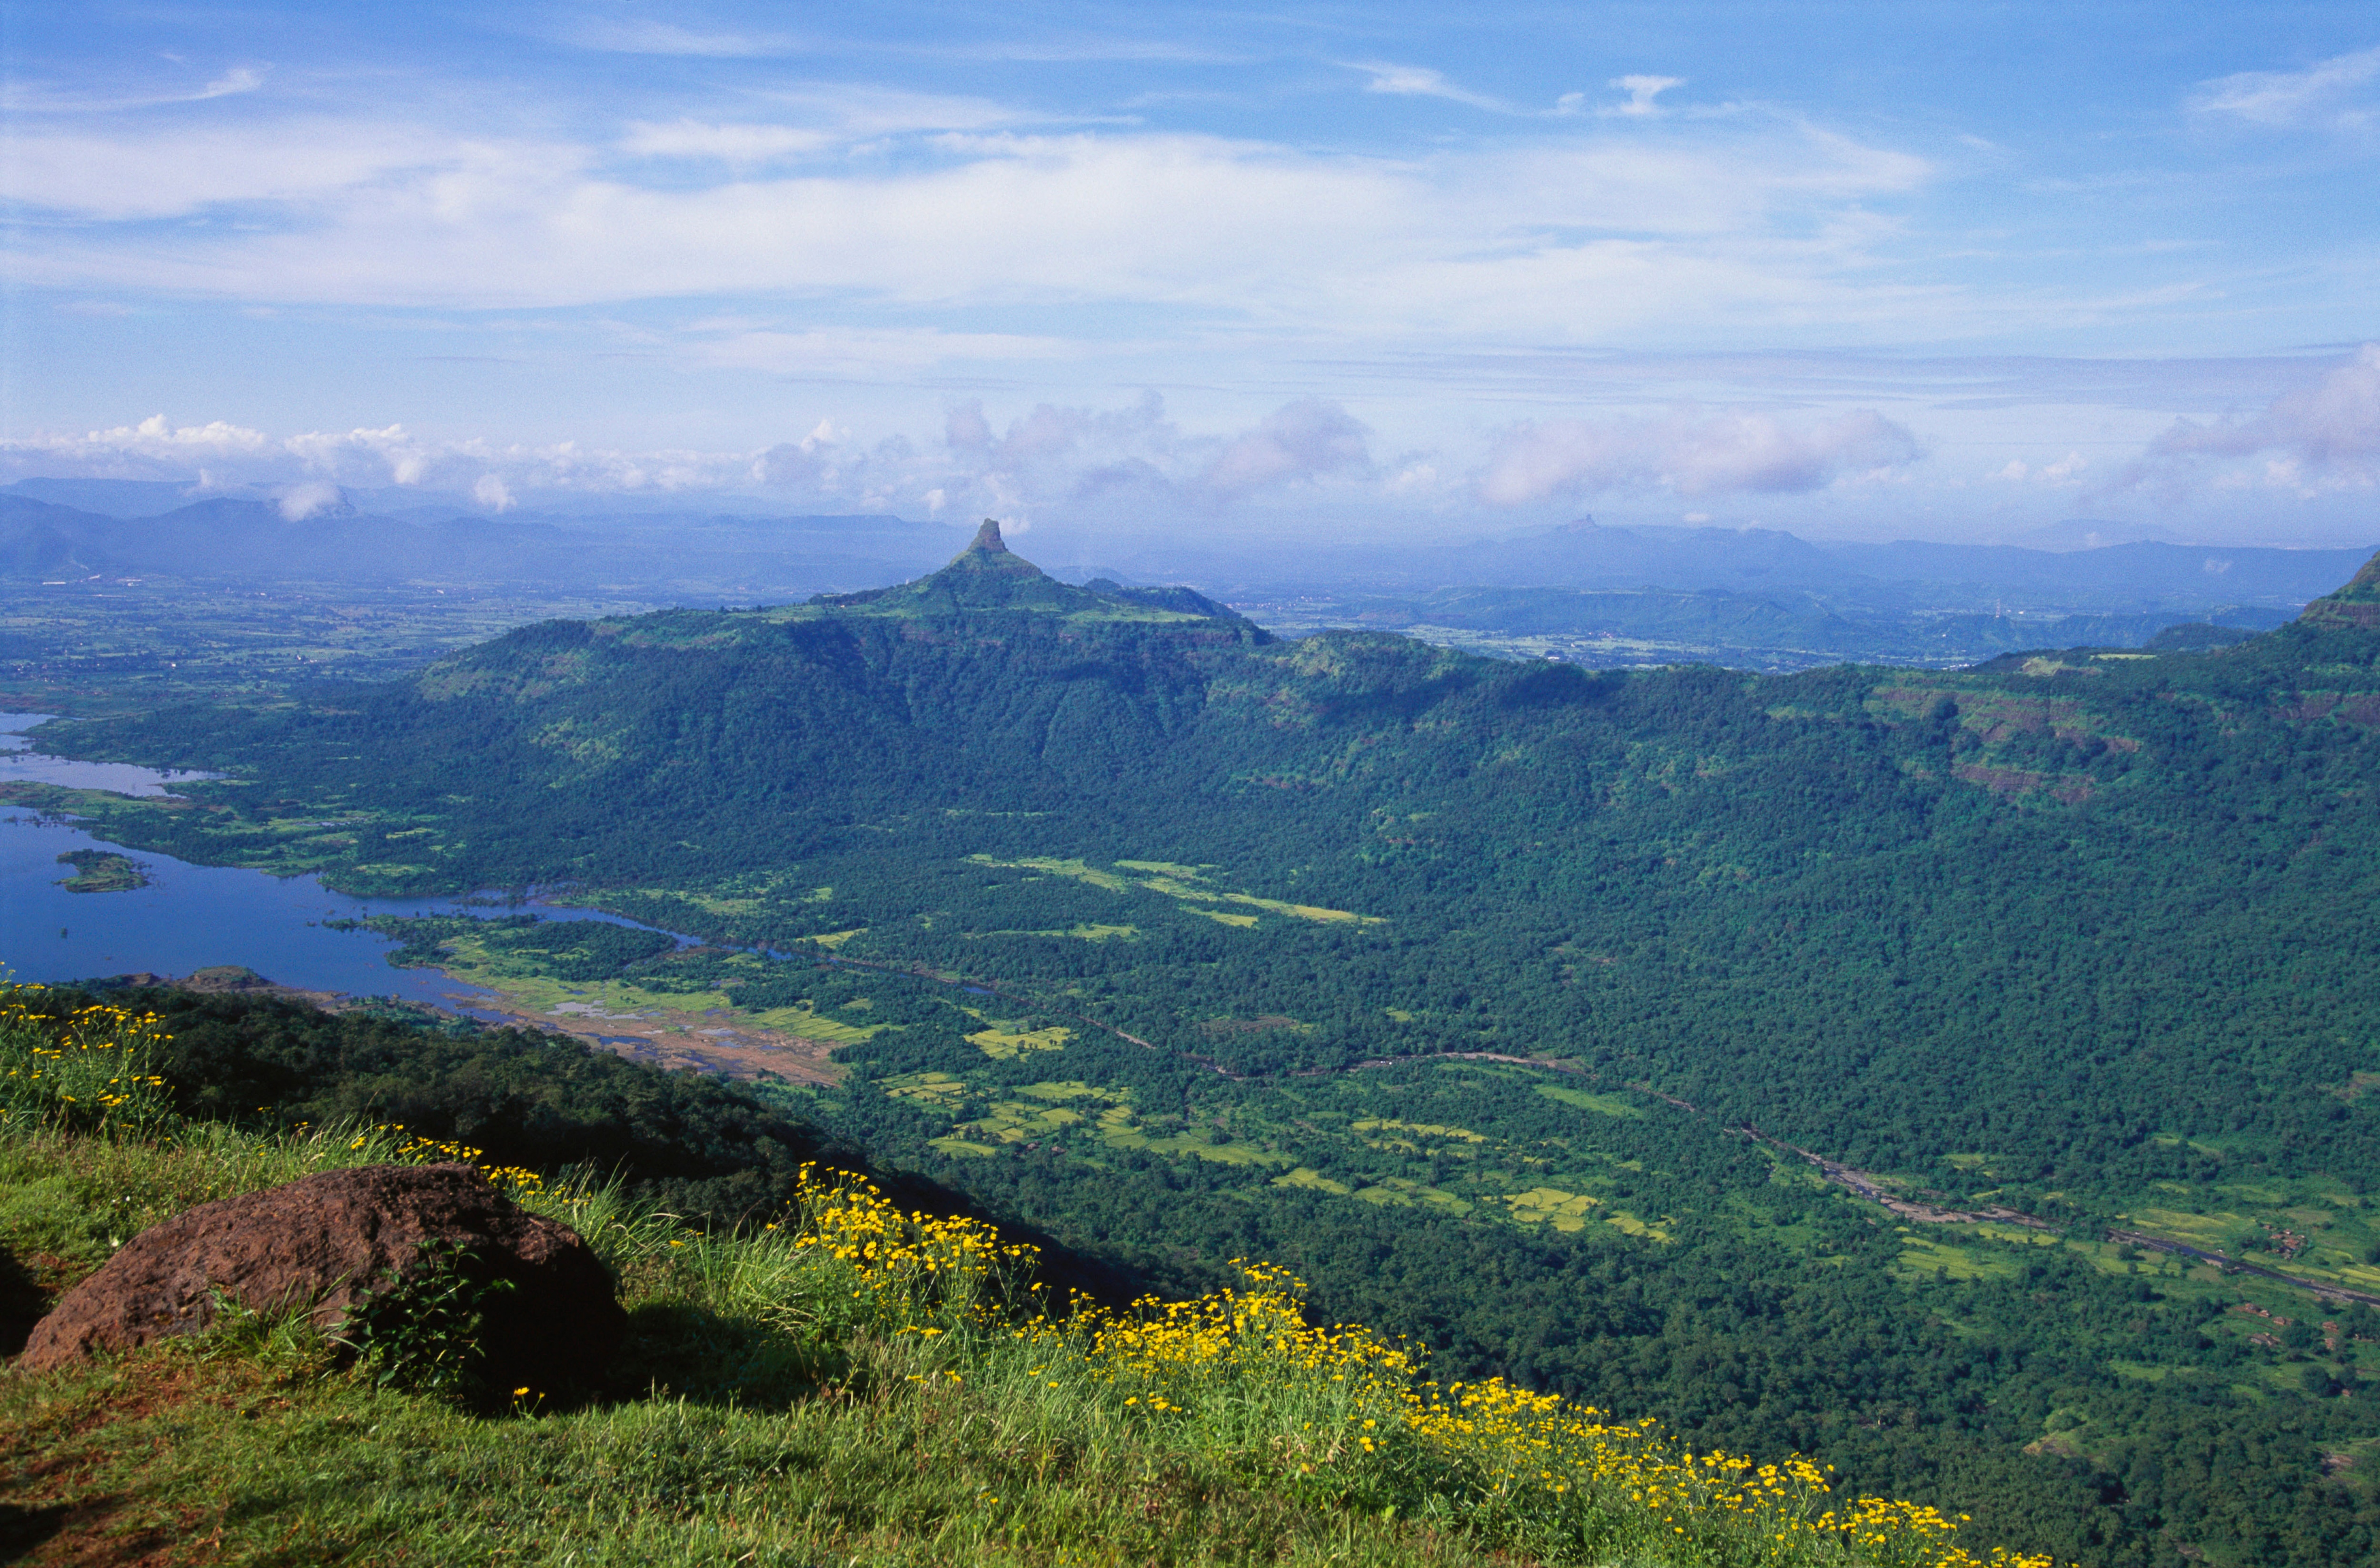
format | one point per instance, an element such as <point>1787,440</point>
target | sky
<point>1905,270</point>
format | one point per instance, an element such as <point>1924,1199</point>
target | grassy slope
<point>790,1396</point>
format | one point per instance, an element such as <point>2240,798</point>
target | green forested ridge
<point>2077,935</point>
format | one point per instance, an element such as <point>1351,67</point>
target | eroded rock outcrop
<point>327,1239</point>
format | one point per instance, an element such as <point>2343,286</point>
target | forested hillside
<point>2065,945</point>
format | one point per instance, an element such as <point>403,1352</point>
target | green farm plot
<point>1551,1205</point>
<point>744,896</point>
<point>1082,932</point>
<point>1313,1180</point>
<point>938,1090</point>
<point>964,1149</point>
<point>806,1021</point>
<point>1079,869</point>
<point>1422,1129</point>
<point>543,966</point>
<point>1606,1105</point>
<point>1047,1109</point>
<point>1126,1134</point>
<point>1923,1257</point>
<point>1017,1121</point>
<point>1054,1108</point>
<point>1059,1092</point>
<point>1006,1041</point>
<point>1182,883</point>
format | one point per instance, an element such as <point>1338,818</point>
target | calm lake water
<point>191,916</point>
<point>17,760</point>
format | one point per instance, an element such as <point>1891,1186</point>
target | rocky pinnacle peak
<point>988,539</point>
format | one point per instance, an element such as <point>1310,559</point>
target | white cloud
<point>643,37</point>
<point>132,449</point>
<point>297,502</point>
<point>1574,240</point>
<point>1419,81</point>
<point>390,455</point>
<point>1642,91</point>
<point>134,176</point>
<point>2333,95</point>
<point>737,144</point>
<point>36,98</point>
<point>239,79</point>
<point>1303,440</point>
<point>858,111</point>
<point>1050,460</point>
<point>2320,437</point>
<point>1690,451</point>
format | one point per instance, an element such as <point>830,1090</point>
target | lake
<point>20,761</point>
<point>190,917</point>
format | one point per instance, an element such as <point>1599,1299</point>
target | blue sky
<point>1952,271</point>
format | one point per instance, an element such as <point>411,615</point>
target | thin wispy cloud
<point>646,36</point>
<point>37,98</point>
<point>1495,242</point>
<point>2340,95</point>
<point>1419,81</point>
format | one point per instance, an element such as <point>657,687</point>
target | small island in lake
<point>102,871</point>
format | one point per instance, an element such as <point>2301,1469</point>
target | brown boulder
<point>325,1238</point>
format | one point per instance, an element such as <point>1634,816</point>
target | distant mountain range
<point>1901,577</point>
<point>1761,598</point>
<point>227,541</point>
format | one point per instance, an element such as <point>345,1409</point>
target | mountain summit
<point>988,552</point>
<point>989,577</point>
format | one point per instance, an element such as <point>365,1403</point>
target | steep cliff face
<point>2357,604</point>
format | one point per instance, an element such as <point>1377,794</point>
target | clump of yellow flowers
<point>1344,1415</point>
<point>83,1069</point>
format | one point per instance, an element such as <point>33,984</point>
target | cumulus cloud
<point>1642,93</point>
<point>2324,436</point>
<point>2066,471</point>
<point>2335,95</point>
<point>150,447</point>
<point>1691,452</point>
<point>1303,440</point>
<point>297,502</point>
<point>404,459</point>
<point>1048,461</point>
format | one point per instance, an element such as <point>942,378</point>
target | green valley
<point>1791,1057</point>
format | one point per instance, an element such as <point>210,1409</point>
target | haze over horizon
<point>1855,272</point>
